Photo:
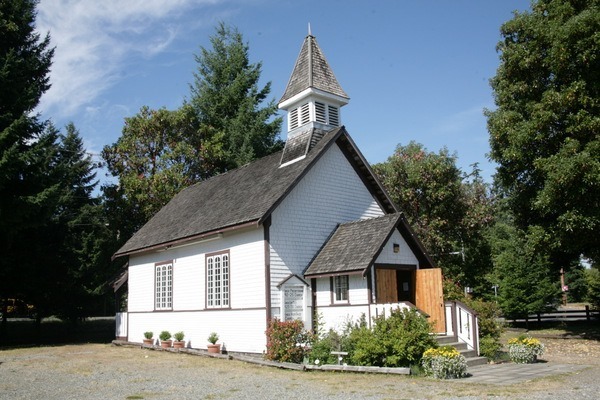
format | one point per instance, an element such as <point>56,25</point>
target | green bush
<point>593,287</point>
<point>489,347</point>
<point>396,341</point>
<point>287,341</point>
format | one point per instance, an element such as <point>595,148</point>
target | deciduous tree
<point>545,131</point>
<point>448,210</point>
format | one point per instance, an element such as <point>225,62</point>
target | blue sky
<point>414,70</point>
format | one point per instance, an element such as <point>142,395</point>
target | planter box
<point>214,348</point>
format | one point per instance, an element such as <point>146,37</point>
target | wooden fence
<point>562,315</point>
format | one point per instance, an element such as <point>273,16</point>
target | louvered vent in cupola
<point>304,114</point>
<point>320,112</point>
<point>334,116</point>
<point>293,118</point>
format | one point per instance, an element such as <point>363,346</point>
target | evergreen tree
<point>526,282</point>
<point>222,127</point>
<point>227,99</point>
<point>86,240</point>
<point>27,192</point>
<point>545,132</point>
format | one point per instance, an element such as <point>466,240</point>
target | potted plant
<point>179,343</point>
<point>148,338</point>
<point>165,339</point>
<point>214,347</point>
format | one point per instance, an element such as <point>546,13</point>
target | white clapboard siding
<point>329,194</point>
<point>338,317</point>
<point>247,292</point>
<point>239,330</point>
<point>404,256</point>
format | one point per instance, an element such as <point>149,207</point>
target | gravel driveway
<point>103,371</point>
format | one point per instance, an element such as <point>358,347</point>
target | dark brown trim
<point>289,277</point>
<point>313,289</point>
<point>199,310</point>
<point>206,256</point>
<point>332,286</point>
<point>345,305</point>
<point>330,274</point>
<point>267,249</point>
<point>181,241</point>
<point>331,290</point>
<point>158,264</point>
<point>369,279</point>
<point>398,267</point>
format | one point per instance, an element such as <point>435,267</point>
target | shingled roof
<point>354,246</point>
<point>312,71</point>
<point>246,195</point>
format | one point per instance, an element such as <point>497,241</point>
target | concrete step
<point>444,339</point>
<point>470,355</point>
<point>473,361</point>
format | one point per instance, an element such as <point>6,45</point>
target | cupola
<point>313,98</point>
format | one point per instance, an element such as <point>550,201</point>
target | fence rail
<point>562,315</point>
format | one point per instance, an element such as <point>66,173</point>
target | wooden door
<point>429,297</point>
<point>387,286</point>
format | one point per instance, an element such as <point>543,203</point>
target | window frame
<point>223,288</point>
<point>340,287</point>
<point>163,296</point>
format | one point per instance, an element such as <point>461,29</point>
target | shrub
<point>148,335</point>
<point>524,349</point>
<point>444,363</point>
<point>593,283</point>
<point>165,335</point>
<point>396,341</point>
<point>489,347</point>
<point>323,346</point>
<point>179,336</point>
<point>287,341</point>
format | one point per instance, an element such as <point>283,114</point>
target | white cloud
<point>461,122</point>
<point>94,38</point>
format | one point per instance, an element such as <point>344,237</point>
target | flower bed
<point>444,363</point>
<point>524,349</point>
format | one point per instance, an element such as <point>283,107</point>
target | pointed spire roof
<point>312,71</point>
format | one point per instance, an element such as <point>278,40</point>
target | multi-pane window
<point>217,281</point>
<point>340,287</point>
<point>163,294</point>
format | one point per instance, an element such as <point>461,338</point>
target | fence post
<point>539,317</point>
<point>587,313</point>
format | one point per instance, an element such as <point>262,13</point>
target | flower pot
<point>214,348</point>
<point>179,344</point>
<point>149,342</point>
<point>165,344</point>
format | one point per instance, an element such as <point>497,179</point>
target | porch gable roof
<point>354,246</point>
